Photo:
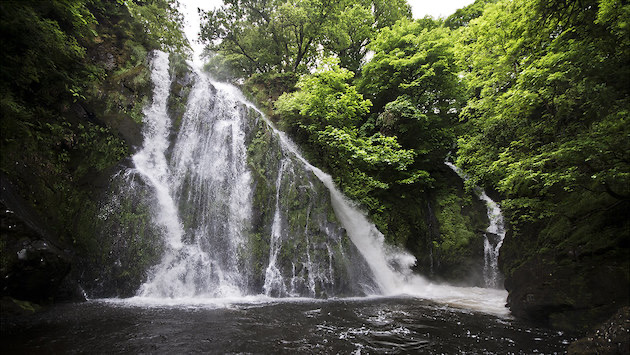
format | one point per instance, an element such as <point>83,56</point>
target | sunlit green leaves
<point>415,59</point>
<point>327,109</point>
<point>326,97</point>
<point>542,94</point>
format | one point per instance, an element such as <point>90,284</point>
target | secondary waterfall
<point>242,214</point>
<point>493,238</point>
<point>151,162</point>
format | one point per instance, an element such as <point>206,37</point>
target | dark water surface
<point>383,325</point>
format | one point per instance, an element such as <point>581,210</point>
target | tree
<point>463,16</point>
<point>544,90</point>
<point>357,25</point>
<point>325,98</point>
<point>325,113</point>
<point>413,58</point>
<point>260,36</point>
<point>413,81</point>
<point>163,22</point>
<point>349,36</point>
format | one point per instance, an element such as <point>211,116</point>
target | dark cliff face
<point>574,284</point>
<point>32,267</point>
<point>458,240</point>
<point>59,150</point>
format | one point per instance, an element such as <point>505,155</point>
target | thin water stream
<point>493,238</point>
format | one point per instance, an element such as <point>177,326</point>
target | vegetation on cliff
<point>546,126</point>
<point>73,82</point>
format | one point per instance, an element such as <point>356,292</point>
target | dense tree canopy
<point>260,36</point>
<point>548,109</point>
<point>462,17</point>
<point>413,81</point>
<point>326,113</point>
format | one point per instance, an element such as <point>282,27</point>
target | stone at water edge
<point>32,269</point>
<point>612,337</point>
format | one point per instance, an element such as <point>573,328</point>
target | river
<point>263,325</point>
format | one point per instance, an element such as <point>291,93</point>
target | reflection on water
<point>377,325</point>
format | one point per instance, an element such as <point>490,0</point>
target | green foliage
<point>463,16</point>
<point>162,22</point>
<point>388,156</point>
<point>42,48</point>
<point>430,136</point>
<point>349,36</point>
<point>325,113</point>
<point>73,79</point>
<point>325,98</point>
<point>414,59</point>
<point>539,117</point>
<point>456,230</point>
<point>265,89</point>
<point>547,124</point>
<point>414,84</point>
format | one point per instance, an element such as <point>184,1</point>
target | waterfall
<point>242,213</point>
<point>150,161</point>
<point>493,237</point>
<point>273,278</point>
<point>207,186</point>
<point>493,240</point>
<point>202,180</point>
<point>205,205</point>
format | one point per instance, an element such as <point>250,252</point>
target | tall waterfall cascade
<point>234,227</point>
<point>493,237</point>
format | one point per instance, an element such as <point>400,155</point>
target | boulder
<point>612,337</point>
<point>31,267</point>
<point>565,292</point>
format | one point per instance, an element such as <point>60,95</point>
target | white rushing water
<point>204,189</point>
<point>150,161</point>
<point>392,266</point>
<point>493,238</point>
<point>274,282</point>
<point>205,185</point>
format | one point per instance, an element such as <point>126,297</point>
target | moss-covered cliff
<point>314,250</point>
<point>74,80</point>
<point>442,225</point>
<point>571,272</point>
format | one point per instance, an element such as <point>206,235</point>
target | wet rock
<point>32,268</point>
<point>612,337</point>
<point>558,290</point>
<point>456,221</point>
